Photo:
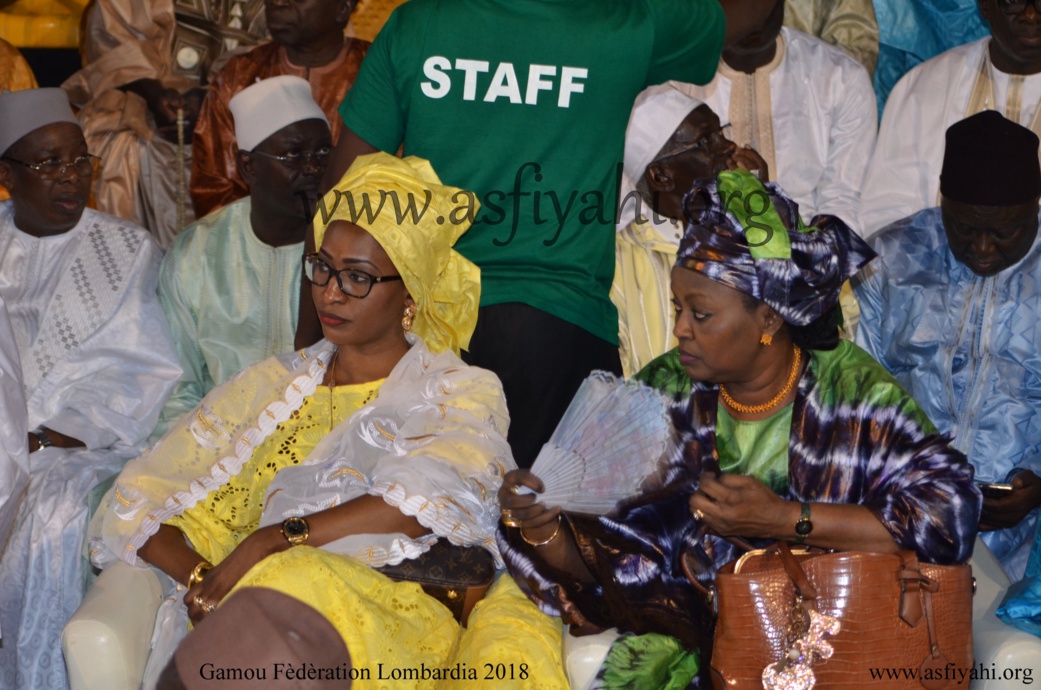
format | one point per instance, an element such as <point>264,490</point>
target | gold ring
<point>698,515</point>
<point>515,489</point>
<point>206,606</point>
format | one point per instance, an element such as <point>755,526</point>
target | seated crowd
<point>281,309</point>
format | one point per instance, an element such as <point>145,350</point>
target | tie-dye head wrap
<point>750,237</point>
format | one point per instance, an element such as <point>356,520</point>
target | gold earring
<point>406,320</point>
<point>767,340</point>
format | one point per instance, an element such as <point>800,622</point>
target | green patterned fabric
<point>647,662</point>
<point>744,197</point>
<point>666,374</point>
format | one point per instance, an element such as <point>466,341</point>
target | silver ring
<point>206,606</point>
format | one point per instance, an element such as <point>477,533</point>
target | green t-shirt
<point>525,103</point>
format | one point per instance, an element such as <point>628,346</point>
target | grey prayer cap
<point>22,112</point>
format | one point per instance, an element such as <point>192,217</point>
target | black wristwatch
<point>295,530</point>
<point>804,526</point>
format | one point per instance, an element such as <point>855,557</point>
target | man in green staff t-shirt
<point>525,103</point>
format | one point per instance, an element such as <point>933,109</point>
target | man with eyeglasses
<point>999,72</point>
<point>230,283</point>
<point>307,41</point>
<point>96,359</point>
<point>672,141</point>
<point>806,106</point>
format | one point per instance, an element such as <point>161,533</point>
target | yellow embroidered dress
<point>387,627</point>
<point>430,443</point>
<point>216,524</point>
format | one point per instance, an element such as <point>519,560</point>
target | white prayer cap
<point>22,112</point>
<point>267,106</point>
<point>657,112</point>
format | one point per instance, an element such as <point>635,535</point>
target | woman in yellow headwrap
<point>306,471</point>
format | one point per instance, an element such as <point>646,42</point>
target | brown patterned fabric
<point>457,576</point>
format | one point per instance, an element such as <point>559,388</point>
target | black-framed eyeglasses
<point>1012,7</point>
<point>716,137</point>
<point>296,159</point>
<point>352,282</point>
<point>85,165</point>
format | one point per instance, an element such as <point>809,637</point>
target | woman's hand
<point>541,527</point>
<point>536,521</point>
<point>217,582</point>
<point>734,505</point>
<point>737,506</point>
<point>1009,511</point>
<point>749,159</point>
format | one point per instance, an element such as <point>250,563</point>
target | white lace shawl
<point>432,444</point>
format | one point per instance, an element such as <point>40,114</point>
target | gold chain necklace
<point>757,409</point>
<point>332,387</point>
<point>333,383</point>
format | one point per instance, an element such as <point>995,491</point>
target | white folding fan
<point>612,438</point>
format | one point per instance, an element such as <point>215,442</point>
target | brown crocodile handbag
<point>904,625</point>
<point>457,576</point>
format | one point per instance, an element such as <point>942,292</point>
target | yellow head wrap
<point>445,286</point>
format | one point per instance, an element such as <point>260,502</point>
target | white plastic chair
<point>108,640</point>
<point>998,646</point>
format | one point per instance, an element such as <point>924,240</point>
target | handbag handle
<point>802,583</point>
<point>690,571</point>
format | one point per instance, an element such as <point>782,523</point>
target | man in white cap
<point>96,365</point>
<point>672,140</point>
<point>307,41</point>
<point>230,283</point>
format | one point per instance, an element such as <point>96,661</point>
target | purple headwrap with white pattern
<point>750,237</point>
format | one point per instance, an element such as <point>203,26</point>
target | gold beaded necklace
<point>757,409</point>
